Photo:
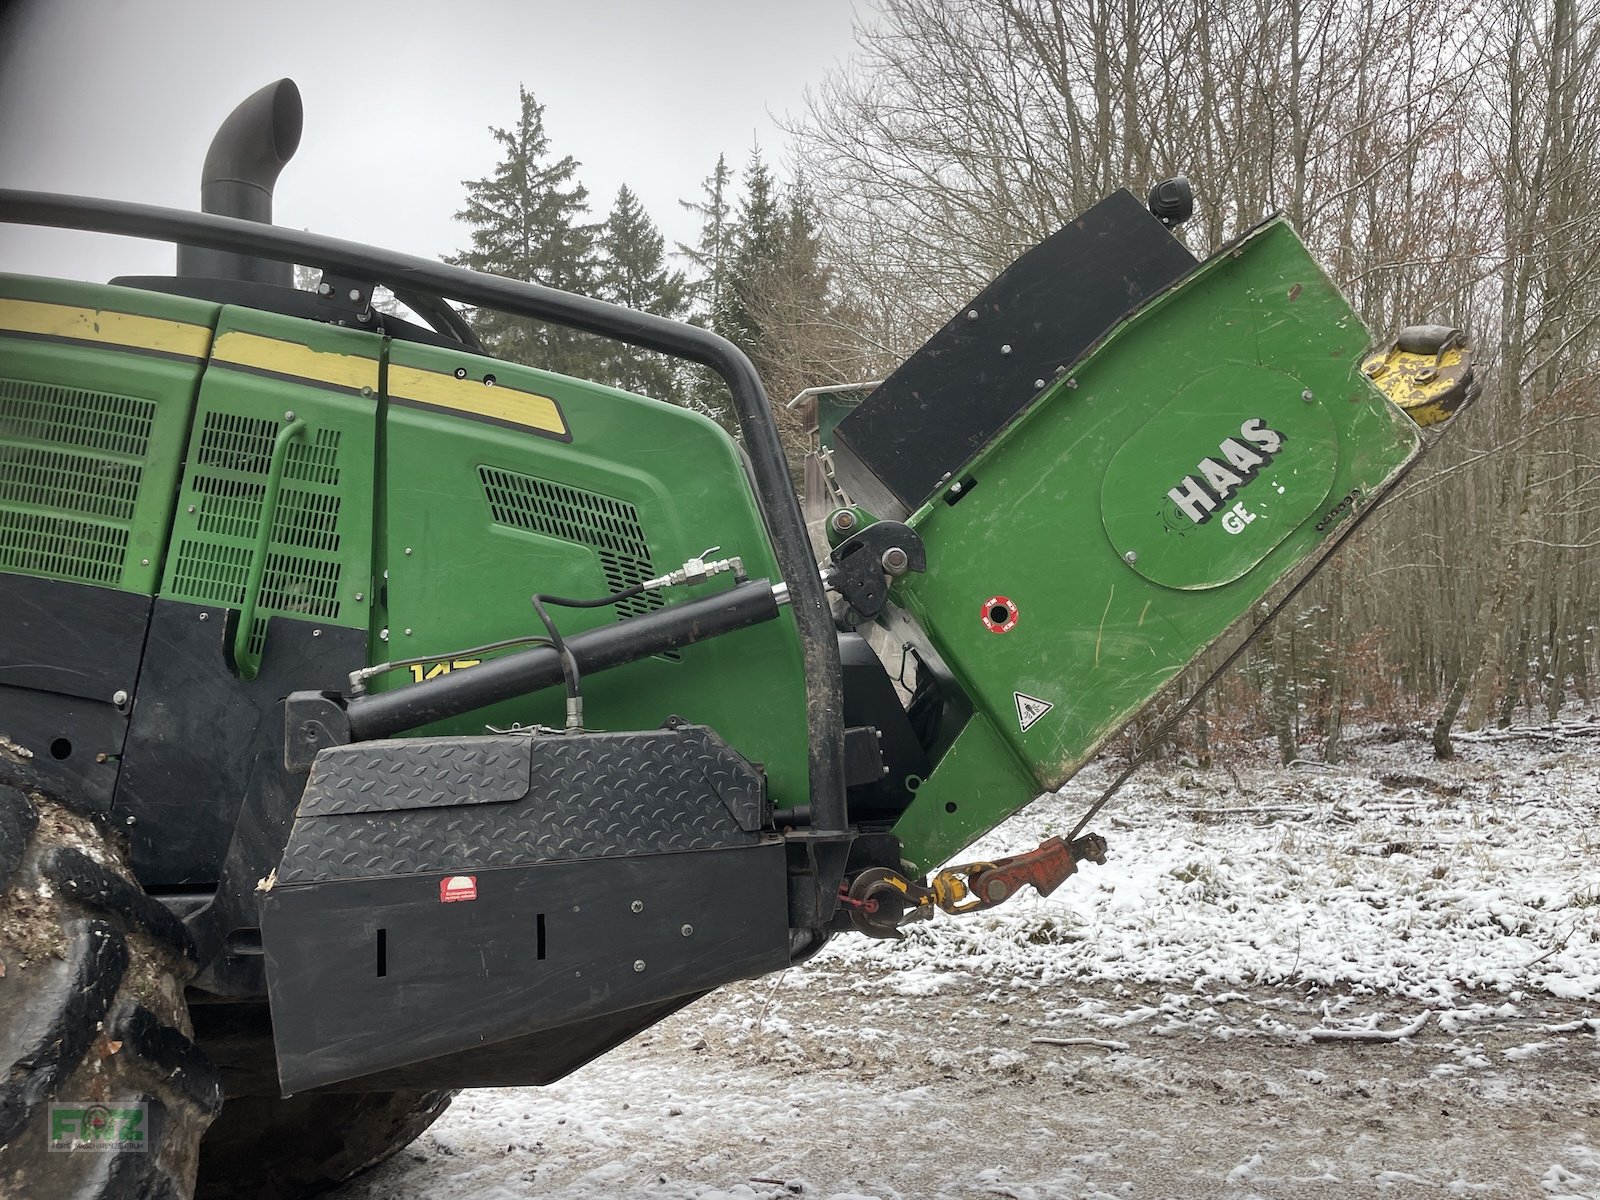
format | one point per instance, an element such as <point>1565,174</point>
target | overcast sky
<point>120,98</point>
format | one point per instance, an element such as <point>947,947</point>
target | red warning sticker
<point>999,614</point>
<point>454,888</point>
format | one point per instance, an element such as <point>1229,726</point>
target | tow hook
<point>880,901</point>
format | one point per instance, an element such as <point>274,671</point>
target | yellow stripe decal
<point>295,359</point>
<point>105,327</point>
<point>528,409</point>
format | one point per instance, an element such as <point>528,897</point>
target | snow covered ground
<point>1379,979</point>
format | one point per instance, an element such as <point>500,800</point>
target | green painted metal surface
<point>92,432</point>
<point>1074,581</point>
<point>480,514</point>
<point>267,373</point>
<point>1195,499</point>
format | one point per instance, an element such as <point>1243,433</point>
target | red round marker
<point>999,614</point>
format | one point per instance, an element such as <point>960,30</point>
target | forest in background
<point>1440,163</point>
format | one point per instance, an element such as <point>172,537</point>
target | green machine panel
<point>1209,445</point>
<point>97,386</point>
<point>1255,482</point>
<point>274,514</point>
<point>503,481</point>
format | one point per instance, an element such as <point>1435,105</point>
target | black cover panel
<point>948,400</point>
<point>630,872</point>
<point>201,737</point>
<point>66,650</point>
<point>870,699</point>
<point>540,948</point>
<point>467,803</point>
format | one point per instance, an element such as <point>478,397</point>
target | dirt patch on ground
<point>840,1087</point>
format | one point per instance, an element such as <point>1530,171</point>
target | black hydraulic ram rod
<point>404,272</point>
<point>533,670</point>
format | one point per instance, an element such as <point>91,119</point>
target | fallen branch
<point>1263,811</point>
<point>1543,733</point>
<point>1368,1035</point>
<point>1103,1043</point>
<point>1550,953</point>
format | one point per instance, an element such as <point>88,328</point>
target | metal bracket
<point>347,294</point>
<point>312,721</point>
<point>862,561</point>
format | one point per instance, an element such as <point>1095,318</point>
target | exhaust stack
<point>249,150</point>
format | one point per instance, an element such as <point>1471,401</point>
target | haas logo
<point>1203,494</point>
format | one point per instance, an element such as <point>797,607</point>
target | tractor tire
<point>103,1093</point>
<point>267,1148</point>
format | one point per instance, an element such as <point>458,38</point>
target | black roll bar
<point>407,273</point>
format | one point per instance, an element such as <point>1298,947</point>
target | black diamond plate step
<point>424,805</point>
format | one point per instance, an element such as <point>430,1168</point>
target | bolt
<point>359,597</point>
<point>408,631</point>
<point>972,314</point>
<point>408,549</point>
<point>895,560</point>
<point>1006,349</point>
<point>324,289</point>
<point>205,616</point>
<point>1038,383</point>
<point>844,520</point>
<point>316,633</point>
<point>144,562</point>
<point>955,487</point>
<point>637,906</point>
<point>1131,556</point>
<point>355,293</point>
<point>1308,395</point>
<point>191,508</point>
<point>687,931</point>
<point>1073,384</point>
<point>366,391</point>
<point>638,964</point>
<point>996,890</point>
<point>120,698</point>
<point>131,821</point>
<point>289,416</point>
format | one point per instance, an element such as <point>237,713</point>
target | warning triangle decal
<point>1030,709</point>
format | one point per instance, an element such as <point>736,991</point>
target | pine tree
<point>712,291</point>
<point>712,256</point>
<point>527,221</point>
<point>756,240</point>
<point>634,273</point>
